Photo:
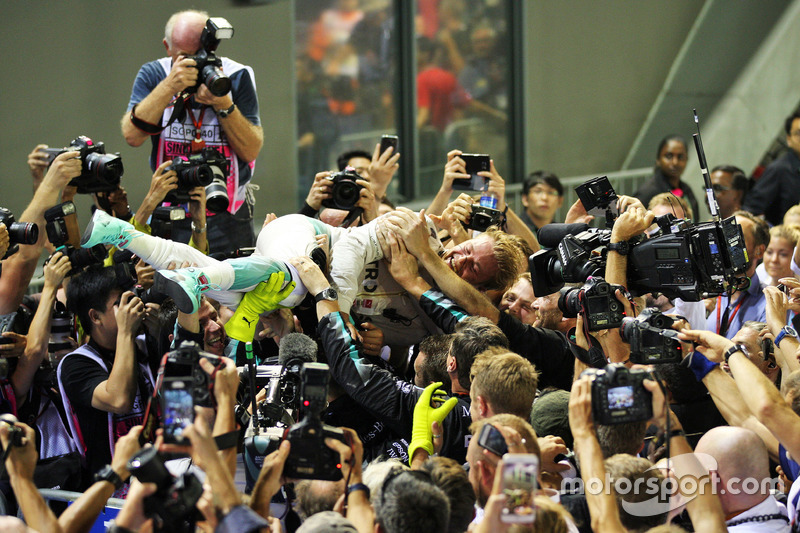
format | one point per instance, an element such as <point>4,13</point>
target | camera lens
<point>569,303</point>
<point>23,233</point>
<point>82,257</point>
<point>104,168</point>
<point>195,176</point>
<point>217,196</point>
<point>346,194</point>
<point>217,82</point>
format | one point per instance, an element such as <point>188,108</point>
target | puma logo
<point>249,322</point>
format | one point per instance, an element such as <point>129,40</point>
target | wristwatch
<point>107,474</point>
<point>222,113</point>
<point>786,331</point>
<point>622,247</point>
<point>329,294</point>
<point>733,349</point>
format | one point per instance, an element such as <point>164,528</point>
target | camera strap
<point>724,323</point>
<point>143,125</point>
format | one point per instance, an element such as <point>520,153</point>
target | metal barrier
<point>111,510</point>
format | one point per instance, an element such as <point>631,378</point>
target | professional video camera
<point>173,505</point>
<point>208,169</point>
<point>101,171</point>
<point>18,232</point>
<point>63,233</point>
<point>597,303</point>
<point>651,339</point>
<point>163,218</point>
<point>692,262</point>
<point>279,410</point>
<point>310,457</point>
<point>345,192</point>
<point>618,395</point>
<point>209,65</point>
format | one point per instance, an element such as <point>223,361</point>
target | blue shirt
<point>752,305</point>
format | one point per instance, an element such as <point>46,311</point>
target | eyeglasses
<point>719,188</point>
<point>538,191</point>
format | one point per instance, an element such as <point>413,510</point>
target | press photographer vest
<point>176,139</point>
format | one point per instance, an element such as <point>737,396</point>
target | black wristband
<point>358,486</point>
<point>114,528</point>
<point>146,127</point>
<point>675,433</point>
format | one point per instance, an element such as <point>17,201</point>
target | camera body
<point>345,192</point>
<point>618,395</point>
<point>651,339</point>
<point>183,363</point>
<point>207,168</point>
<point>209,66</point>
<point>597,303</point>
<point>173,505</point>
<point>310,458</point>
<point>63,232</point>
<point>163,218</point>
<point>61,331</point>
<point>484,217</point>
<point>101,172</point>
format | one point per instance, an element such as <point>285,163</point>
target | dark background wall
<point>595,74</point>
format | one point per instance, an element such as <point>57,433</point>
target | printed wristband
<point>700,365</point>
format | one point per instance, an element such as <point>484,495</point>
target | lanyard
<point>726,321</point>
<point>197,143</point>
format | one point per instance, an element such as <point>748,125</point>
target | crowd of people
<point>453,394</point>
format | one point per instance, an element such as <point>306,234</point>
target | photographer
<point>18,269</point>
<point>229,121</point>
<point>103,382</point>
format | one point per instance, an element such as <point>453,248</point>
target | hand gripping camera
<point>63,233</point>
<point>18,232</point>
<point>173,505</point>
<point>345,192</point>
<point>209,65</point>
<point>208,169</point>
<point>597,303</point>
<point>651,339</point>
<point>101,171</point>
<point>310,457</point>
<point>618,395</point>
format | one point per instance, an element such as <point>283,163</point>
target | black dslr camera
<point>18,232</point>
<point>483,218</point>
<point>651,339</point>
<point>184,363</point>
<point>209,65</point>
<point>597,303</point>
<point>173,505</point>
<point>62,232</point>
<point>310,458</point>
<point>101,171</point>
<point>345,192</point>
<point>209,169</point>
<point>61,331</point>
<point>619,396</point>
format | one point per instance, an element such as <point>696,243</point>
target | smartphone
<point>389,141</point>
<point>177,409</point>
<point>473,163</point>
<point>520,474</point>
<point>491,439</point>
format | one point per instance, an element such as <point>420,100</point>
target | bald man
<point>229,123</point>
<point>740,480</point>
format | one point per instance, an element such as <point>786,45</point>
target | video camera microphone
<point>297,346</point>
<point>550,235</point>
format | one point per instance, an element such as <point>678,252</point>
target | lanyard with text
<point>724,324</point>
<point>197,143</point>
